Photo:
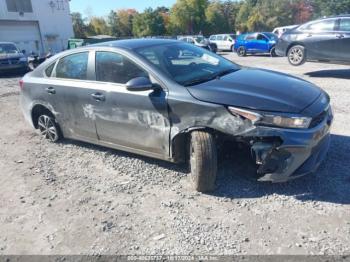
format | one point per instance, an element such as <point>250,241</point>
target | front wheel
<point>297,55</point>
<point>203,161</point>
<point>241,51</point>
<point>273,52</point>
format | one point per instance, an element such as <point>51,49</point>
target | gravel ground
<point>76,198</point>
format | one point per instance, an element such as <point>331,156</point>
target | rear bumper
<point>299,153</point>
<point>281,48</point>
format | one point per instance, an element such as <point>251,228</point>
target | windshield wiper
<point>226,72</point>
<point>197,81</point>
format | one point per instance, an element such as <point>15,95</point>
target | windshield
<point>199,39</point>
<point>187,64</point>
<point>8,49</point>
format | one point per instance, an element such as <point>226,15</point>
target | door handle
<point>50,90</point>
<point>98,97</point>
<point>339,36</point>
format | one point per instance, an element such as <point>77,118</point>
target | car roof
<point>135,43</point>
<point>7,43</point>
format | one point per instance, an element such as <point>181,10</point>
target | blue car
<point>256,43</point>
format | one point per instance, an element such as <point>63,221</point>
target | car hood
<point>259,90</point>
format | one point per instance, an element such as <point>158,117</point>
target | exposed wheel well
<point>37,111</point>
<point>180,143</point>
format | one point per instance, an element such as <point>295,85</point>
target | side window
<point>48,70</point>
<point>219,37</point>
<point>116,68</point>
<point>73,66</point>
<point>345,25</point>
<point>225,38</point>
<point>321,26</point>
<point>212,38</point>
<point>250,37</point>
<point>261,37</point>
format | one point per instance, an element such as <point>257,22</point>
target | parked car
<point>323,40</point>
<point>280,30</point>
<point>12,59</point>
<point>199,41</point>
<point>174,101</point>
<point>256,43</point>
<point>223,42</point>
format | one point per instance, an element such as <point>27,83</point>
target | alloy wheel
<point>48,128</point>
<point>296,55</point>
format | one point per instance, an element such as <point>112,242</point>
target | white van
<point>223,42</point>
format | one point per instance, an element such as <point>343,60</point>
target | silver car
<point>174,101</point>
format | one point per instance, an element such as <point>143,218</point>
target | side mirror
<point>23,51</point>
<point>139,84</point>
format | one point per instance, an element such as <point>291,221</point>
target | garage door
<point>25,34</point>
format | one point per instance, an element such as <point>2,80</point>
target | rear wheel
<point>203,161</point>
<point>48,128</point>
<point>241,51</point>
<point>297,55</point>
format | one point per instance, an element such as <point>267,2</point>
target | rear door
<point>219,42</point>
<point>320,39</point>
<point>343,40</point>
<point>135,120</point>
<point>71,86</point>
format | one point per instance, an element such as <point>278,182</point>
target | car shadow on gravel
<point>336,73</point>
<point>181,168</point>
<point>331,183</point>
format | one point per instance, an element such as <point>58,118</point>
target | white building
<point>36,25</point>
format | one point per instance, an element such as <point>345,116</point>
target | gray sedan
<point>174,101</point>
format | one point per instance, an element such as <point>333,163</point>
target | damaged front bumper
<point>285,154</point>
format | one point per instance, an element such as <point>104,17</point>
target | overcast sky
<point>103,7</point>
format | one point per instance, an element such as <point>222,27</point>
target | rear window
<point>49,70</point>
<point>321,26</point>
<point>73,66</point>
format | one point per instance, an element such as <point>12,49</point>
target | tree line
<point>207,17</point>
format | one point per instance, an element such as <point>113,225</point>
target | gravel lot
<point>76,198</point>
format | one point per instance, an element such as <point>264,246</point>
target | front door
<point>136,120</point>
<point>343,40</point>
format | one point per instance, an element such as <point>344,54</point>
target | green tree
<point>330,7</point>
<point>79,26</point>
<point>124,24</point>
<point>188,16</point>
<point>112,21</point>
<point>98,26</point>
<point>148,23</point>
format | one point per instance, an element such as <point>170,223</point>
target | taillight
<point>21,84</point>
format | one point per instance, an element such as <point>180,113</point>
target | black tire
<point>241,51</point>
<point>49,128</point>
<point>203,161</point>
<point>273,52</point>
<point>232,48</point>
<point>296,55</point>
